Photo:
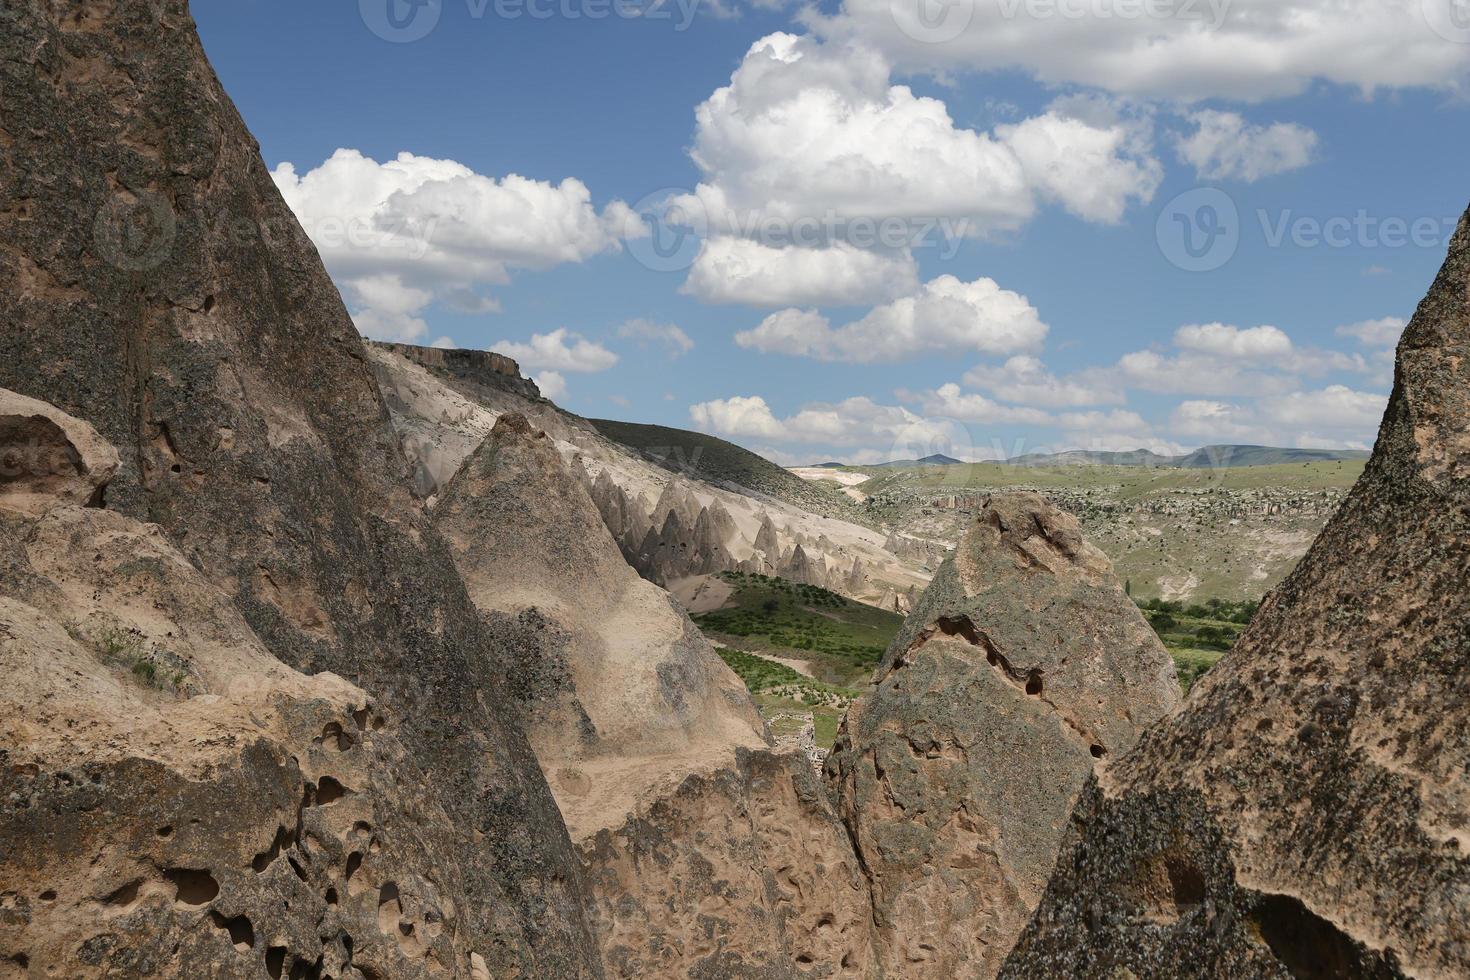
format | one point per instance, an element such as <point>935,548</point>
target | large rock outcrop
<point>1023,667</point>
<point>741,874</point>
<point>156,285</point>
<point>179,802</point>
<point>623,696</point>
<point>1307,814</point>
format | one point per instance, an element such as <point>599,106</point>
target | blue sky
<point>886,228</point>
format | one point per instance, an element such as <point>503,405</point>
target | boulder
<point>1023,668</point>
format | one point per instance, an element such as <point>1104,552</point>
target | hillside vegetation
<point>1174,533</point>
<point>705,457</point>
<point>838,641</point>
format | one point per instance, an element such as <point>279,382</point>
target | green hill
<point>706,457</point>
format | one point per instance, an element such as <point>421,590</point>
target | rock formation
<point>49,457</point>
<point>157,287</point>
<point>1023,667</point>
<point>745,873</point>
<point>180,803</point>
<point>766,541</point>
<point>1307,813</point>
<point>623,696</point>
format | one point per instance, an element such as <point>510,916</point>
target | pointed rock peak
<point>1316,777</point>
<point>1036,534</point>
<point>515,424</point>
<point>1060,670</point>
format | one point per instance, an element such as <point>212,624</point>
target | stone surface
<point>742,874</point>
<point>179,803</point>
<point>1307,813</point>
<point>157,287</point>
<point>623,696</point>
<point>49,458</point>
<point>1022,668</point>
<point>444,403</point>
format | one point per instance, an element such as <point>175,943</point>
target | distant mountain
<point>938,459</point>
<point>1083,457</point>
<point>827,466</point>
<point>1208,457</point>
<point>1212,456</point>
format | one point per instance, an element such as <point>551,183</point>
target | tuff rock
<point>1306,813</point>
<point>156,286</point>
<point>1023,667</point>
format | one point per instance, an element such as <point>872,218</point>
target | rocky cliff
<point>156,286</point>
<point>623,697</point>
<point>1023,668</point>
<point>1306,813</point>
<point>444,403</point>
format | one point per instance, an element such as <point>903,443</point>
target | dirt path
<point>802,667</point>
<point>702,593</point>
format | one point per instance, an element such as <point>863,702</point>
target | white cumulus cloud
<point>741,270</point>
<point>1025,380</point>
<point>1334,417</point>
<point>945,315</point>
<point>552,384</point>
<point>402,234</point>
<point>1178,50</point>
<point>673,339</point>
<point>560,350</point>
<point>812,145</point>
<point>1225,147</point>
<point>1383,332</point>
<point>859,426</point>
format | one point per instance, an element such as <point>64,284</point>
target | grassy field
<point>1197,635</point>
<point>842,640</point>
<point>1130,482</point>
<point>783,696</point>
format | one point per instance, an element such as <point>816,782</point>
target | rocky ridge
<point>157,287</point>
<point>669,526</point>
<point>620,693</point>
<point>1305,814</point>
